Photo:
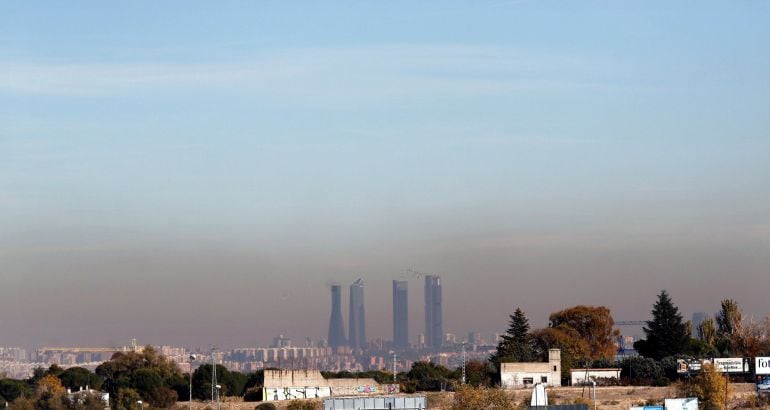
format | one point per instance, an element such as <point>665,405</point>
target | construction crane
<point>632,323</point>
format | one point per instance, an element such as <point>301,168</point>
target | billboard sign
<point>683,404</point>
<point>732,364</point>
<point>763,383</point>
<point>688,365</point>
<point>762,365</point>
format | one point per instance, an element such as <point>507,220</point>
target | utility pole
<point>213,373</point>
<point>394,367</point>
<point>192,358</point>
<point>463,380</point>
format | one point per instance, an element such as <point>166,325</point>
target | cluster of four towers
<point>357,323</point>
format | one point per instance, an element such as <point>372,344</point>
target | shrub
<point>710,387</point>
<point>265,406</point>
<point>253,394</point>
<point>301,405</point>
<point>468,397</point>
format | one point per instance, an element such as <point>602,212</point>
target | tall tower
<point>357,322</point>
<point>336,327</point>
<point>400,313</point>
<point>434,329</point>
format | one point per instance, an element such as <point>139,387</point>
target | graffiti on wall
<point>366,388</point>
<point>291,393</point>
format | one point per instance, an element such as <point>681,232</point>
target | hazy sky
<point>194,173</point>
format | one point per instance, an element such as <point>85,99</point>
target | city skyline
<point>194,173</point>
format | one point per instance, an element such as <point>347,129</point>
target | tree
<point>707,332</point>
<point>127,399</point>
<point>728,320</point>
<point>573,348</point>
<point>642,371</point>
<point>233,383</point>
<point>666,334</point>
<point>428,376</point>
<point>162,397</point>
<point>22,403</point>
<point>11,389</point>
<point>592,324</point>
<point>477,373</point>
<point>77,377</point>
<point>144,381</point>
<point>516,344</point>
<point>141,374</point>
<point>50,385</point>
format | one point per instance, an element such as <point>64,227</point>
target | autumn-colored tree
<point>709,386</point>
<point>49,385</point>
<point>468,397</point>
<point>573,348</point>
<point>592,324</point>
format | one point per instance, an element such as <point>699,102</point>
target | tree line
<point>586,336</point>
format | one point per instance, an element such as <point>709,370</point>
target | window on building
<point>543,379</point>
<point>554,368</point>
<point>528,380</point>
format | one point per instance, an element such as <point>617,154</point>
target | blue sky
<point>290,144</point>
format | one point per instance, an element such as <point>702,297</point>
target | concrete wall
<point>516,375</point>
<point>578,376</point>
<point>294,378</point>
<point>292,384</point>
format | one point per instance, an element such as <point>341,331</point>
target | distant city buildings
<point>336,327</point>
<point>357,322</point>
<point>400,314</point>
<point>434,329</point>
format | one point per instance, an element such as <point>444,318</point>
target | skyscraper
<point>357,322</point>
<point>400,313</point>
<point>336,327</point>
<point>434,329</point>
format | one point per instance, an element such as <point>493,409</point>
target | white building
<point>516,375</point>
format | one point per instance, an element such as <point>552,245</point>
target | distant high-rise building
<point>400,313</point>
<point>434,329</point>
<point>336,327</point>
<point>357,322</point>
<point>697,319</point>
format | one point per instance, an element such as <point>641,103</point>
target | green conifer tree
<point>666,334</point>
<point>516,344</point>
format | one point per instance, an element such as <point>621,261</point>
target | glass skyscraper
<point>336,327</point>
<point>400,313</point>
<point>434,328</point>
<point>357,322</point>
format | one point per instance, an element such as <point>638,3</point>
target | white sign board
<point>762,365</point>
<point>683,404</point>
<point>732,365</point>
